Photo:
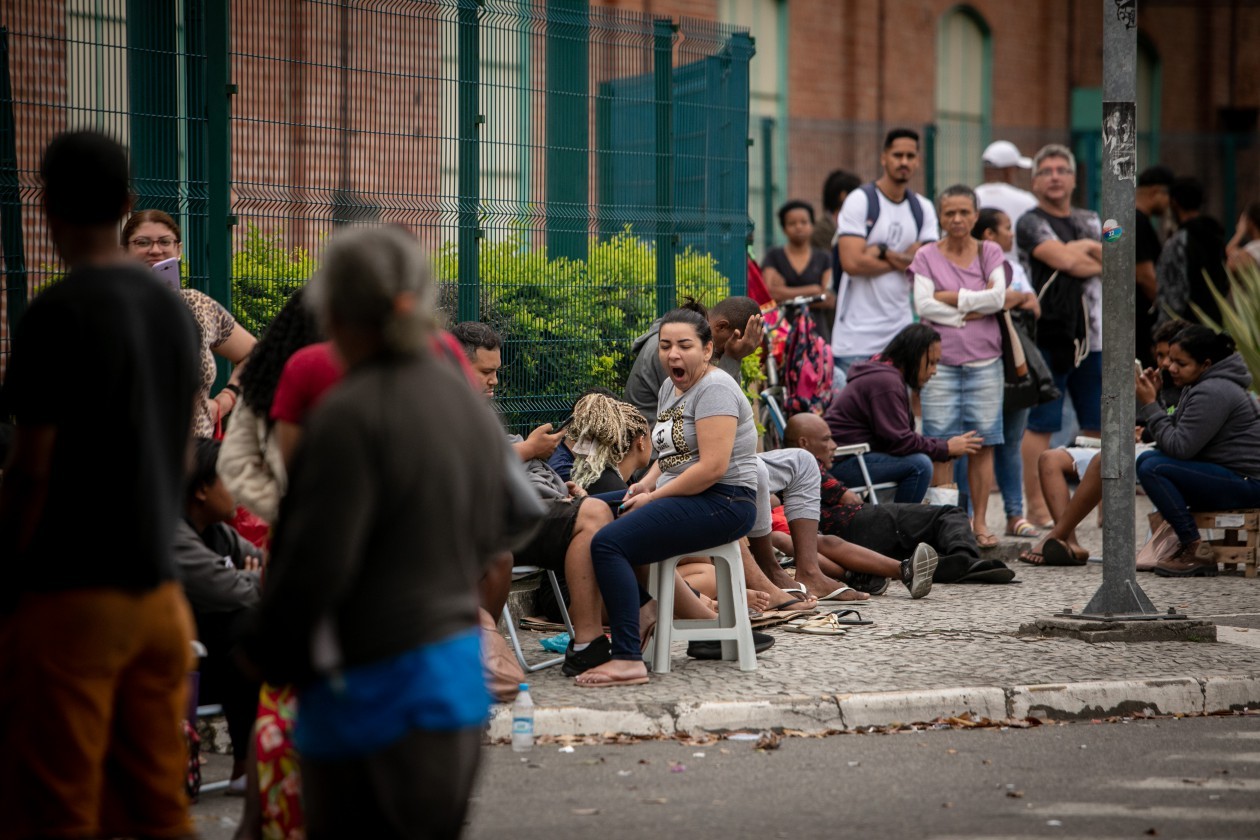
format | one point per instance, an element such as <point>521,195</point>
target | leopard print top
<point>214,325</point>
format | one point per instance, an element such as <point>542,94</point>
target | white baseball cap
<point>1004,153</point>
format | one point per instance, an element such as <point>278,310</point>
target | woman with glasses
<point>153,237</point>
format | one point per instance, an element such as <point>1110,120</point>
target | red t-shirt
<point>307,376</point>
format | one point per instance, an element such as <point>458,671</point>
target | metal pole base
<point>1171,615</point>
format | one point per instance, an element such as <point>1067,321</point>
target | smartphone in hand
<point>168,272</point>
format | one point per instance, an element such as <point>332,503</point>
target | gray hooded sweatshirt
<point>1217,420</point>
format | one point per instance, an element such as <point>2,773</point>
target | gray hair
<point>1054,150</point>
<point>364,270</point>
<point>958,191</point>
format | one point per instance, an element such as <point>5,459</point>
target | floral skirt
<point>279,781</point>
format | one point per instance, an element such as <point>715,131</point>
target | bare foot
<point>758,601</point>
<point>804,601</point>
<point>852,595</point>
<point>614,672</point>
<point>817,586</point>
<point>780,578</point>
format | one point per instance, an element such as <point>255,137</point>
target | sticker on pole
<point>1112,230</point>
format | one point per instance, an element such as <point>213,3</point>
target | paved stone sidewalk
<point>954,651</point>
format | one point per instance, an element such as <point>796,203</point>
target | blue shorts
<point>960,399</point>
<point>1085,386</point>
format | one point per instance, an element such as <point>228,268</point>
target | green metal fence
<point>572,170</point>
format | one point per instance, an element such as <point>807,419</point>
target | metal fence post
<point>929,161</point>
<point>469,124</point>
<point>568,128</point>
<point>10,196</point>
<point>153,91</point>
<point>666,241</point>
<point>767,183</point>
<point>219,219</point>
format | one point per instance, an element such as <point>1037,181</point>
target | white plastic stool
<point>732,627</point>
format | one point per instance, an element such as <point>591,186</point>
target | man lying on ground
<point>892,530</point>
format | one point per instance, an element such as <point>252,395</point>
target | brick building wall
<point>859,67</point>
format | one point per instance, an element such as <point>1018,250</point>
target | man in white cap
<point>1001,160</point>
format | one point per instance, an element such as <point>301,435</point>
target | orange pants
<point>93,689</point>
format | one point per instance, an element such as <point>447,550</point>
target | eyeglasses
<point>1054,170</point>
<point>144,243</point>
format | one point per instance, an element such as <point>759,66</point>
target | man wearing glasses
<point>1062,248</point>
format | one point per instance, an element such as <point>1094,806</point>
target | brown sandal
<point>1058,553</point>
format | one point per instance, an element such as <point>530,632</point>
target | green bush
<point>568,324</point>
<point>264,275</point>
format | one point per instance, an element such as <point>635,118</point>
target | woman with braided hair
<point>609,440</point>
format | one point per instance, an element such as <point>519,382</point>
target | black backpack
<point>872,216</point>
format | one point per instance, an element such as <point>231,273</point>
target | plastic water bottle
<point>523,721</point>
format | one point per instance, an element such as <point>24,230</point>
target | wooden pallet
<point>1241,541</point>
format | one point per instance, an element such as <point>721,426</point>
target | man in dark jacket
<point>895,530</point>
<point>220,572</point>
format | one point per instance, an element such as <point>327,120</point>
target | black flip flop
<point>854,622</point>
<point>1057,553</point>
<point>713,650</point>
<point>786,605</point>
<point>988,571</point>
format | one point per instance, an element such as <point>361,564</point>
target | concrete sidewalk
<point>955,651</point>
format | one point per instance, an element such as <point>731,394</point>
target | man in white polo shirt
<point>1002,162</point>
<point>880,227</point>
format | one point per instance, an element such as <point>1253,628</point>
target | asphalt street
<point>1170,778</point>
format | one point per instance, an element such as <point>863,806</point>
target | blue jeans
<point>1008,466</point>
<point>1084,385</point>
<point>912,473</point>
<point>661,529</point>
<point>843,363</point>
<point>1177,487</point>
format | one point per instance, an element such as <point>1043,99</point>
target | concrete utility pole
<point>1119,593</point>
<point>1119,610</point>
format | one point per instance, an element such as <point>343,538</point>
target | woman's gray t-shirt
<point>674,437</point>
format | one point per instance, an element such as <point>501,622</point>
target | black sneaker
<point>917,570</point>
<point>867,583</point>
<point>597,652</point>
<point>713,650</point>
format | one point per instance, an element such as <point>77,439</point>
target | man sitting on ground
<point>893,530</point>
<point>220,573</point>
